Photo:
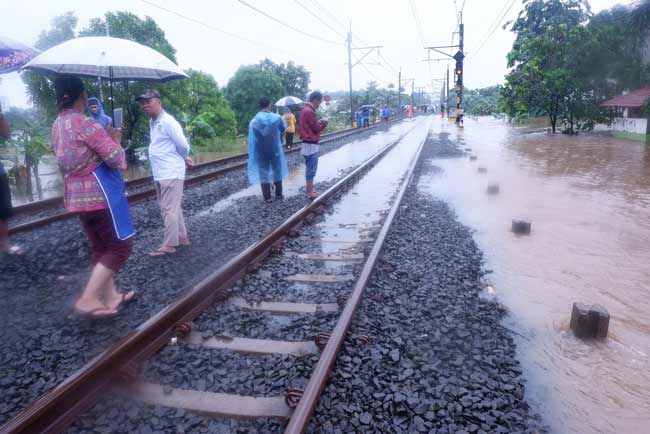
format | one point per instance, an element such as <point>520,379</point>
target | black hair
<point>316,95</point>
<point>67,89</point>
<point>264,102</point>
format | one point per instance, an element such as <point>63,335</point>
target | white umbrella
<point>13,55</point>
<point>111,58</point>
<point>288,100</point>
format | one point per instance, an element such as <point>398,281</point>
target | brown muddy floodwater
<point>589,200</point>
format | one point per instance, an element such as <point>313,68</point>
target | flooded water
<point>588,198</point>
<point>332,164</point>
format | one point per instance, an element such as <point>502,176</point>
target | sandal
<point>92,314</point>
<point>127,298</point>
<point>160,252</point>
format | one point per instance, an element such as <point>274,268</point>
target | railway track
<point>141,189</point>
<point>115,370</point>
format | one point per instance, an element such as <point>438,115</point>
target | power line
<point>261,12</point>
<point>212,27</point>
<point>328,13</point>
<point>498,23</point>
<point>313,14</point>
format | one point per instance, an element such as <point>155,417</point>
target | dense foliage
<point>565,61</point>
<point>244,89</point>
<point>197,102</point>
<point>482,102</point>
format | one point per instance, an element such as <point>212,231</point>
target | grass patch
<point>645,138</point>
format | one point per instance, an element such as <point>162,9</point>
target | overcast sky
<point>374,22</point>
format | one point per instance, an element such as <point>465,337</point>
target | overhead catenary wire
<point>496,26</point>
<point>214,28</point>
<point>315,15</point>
<point>289,26</point>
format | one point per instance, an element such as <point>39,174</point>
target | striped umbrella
<point>288,100</point>
<point>13,55</point>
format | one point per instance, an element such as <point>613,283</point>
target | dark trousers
<point>289,140</point>
<point>267,165</point>
<point>105,247</point>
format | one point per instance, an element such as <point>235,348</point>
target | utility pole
<point>459,72</point>
<point>412,90</point>
<point>351,65</point>
<point>399,90</point>
<point>350,73</point>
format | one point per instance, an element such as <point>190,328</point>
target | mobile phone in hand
<point>117,118</point>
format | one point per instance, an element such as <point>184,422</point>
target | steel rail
<point>56,410</point>
<point>147,193</point>
<point>302,415</point>
<point>54,202</point>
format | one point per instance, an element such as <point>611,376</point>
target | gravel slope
<point>41,347</point>
<point>439,360</point>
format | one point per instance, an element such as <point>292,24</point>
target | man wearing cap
<point>168,155</point>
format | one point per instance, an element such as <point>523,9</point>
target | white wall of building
<point>630,125</point>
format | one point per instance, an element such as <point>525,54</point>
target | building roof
<point>633,99</point>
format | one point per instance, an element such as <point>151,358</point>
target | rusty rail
<point>227,164</point>
<point>56,410</point>
<point>302,415</point>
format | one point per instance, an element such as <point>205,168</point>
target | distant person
<point>266,161</point>
<point>359,116</point>
<point>366,117</point>
<point>6,209</point>
<point>96,111</point>
<point>290,121</point>
<point>168,155</point>
<point>310,129</point>
<point>409,111</point>
<point>385,114</point>
<point>89,159</point>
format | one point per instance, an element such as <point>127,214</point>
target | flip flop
<point>91,314</point>
<point>15,250</point>
<point>161,252</point>
<point>124,301</point>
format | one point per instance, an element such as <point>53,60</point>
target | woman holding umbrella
<point>89,157</point>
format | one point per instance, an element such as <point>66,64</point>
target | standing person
<point>409,111</point>
<point>310,129</point>
<point>6,209</point>
<point>266,161</point>
<point>168,154</point>
<point>385,114</point>
<point>96,112</point>
<point>366,117</point>
<point>89,159</point>
<point>290,121</point>
<point>359,118</point>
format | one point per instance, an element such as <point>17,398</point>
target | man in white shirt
<point>168,155</point>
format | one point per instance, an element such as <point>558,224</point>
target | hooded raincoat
<point>266,160</point>
<point>101,117</point>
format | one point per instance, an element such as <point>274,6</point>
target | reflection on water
<point>589,200</point>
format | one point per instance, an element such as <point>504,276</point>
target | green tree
<point>295,78</point>
<point>203,109</point>
<point>30,135</point>
<point>545,60</point>
<point>40,87</point>
<point>245,88</point>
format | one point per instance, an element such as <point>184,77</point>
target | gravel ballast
<point>41,346</point>
<point>438,361</point>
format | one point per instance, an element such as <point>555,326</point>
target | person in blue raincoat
<point>96,111</point>
<point>266,161</point>
<point>359,118</point>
